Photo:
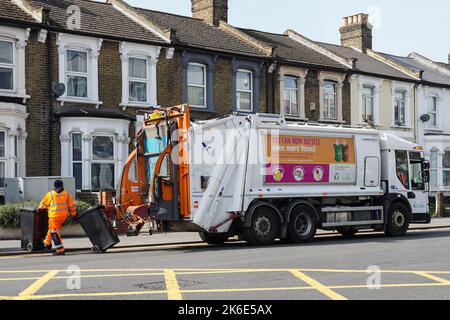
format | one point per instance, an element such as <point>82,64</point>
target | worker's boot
<point>59,253</point>
<point>47,246</point>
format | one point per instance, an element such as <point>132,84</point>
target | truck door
<point>418,194</point>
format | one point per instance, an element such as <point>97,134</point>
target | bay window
<point>244,90</point>
<point>137,79</point>
<point>196,78</point>
<point>446,169</point>
<point>400,108</point>
<point>77,160</point>
<point>102,167</point>
<point>368,104</point>
<point>330,100</point>
<point>77,74</point>
<point>7,65</point>
<point>290,99</point>
<point>433,111</point>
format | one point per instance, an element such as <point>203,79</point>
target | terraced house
<point>76,76</point>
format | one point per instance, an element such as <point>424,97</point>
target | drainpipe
<point>50,91</point>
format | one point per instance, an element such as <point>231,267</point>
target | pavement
<point>178,266</point>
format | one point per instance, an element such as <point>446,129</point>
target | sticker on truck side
<point>309,160</point>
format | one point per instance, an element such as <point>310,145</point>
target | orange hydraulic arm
<point>134,188</point>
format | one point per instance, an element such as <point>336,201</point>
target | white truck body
<point>229,168</point>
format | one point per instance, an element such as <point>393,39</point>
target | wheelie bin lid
<point>97,207</point>
<point>28,209</point>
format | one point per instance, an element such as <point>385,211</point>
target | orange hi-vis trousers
<point>54,232</point>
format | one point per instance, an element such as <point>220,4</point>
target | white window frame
<point>293,92</point>
<point>12,66</point>
<point>113,161</point>
<point>429,125</point>
<point>19,38</point>
<point>151,55</point>
<point>92,46</point>
<point>434,169</point>
<point>72,158</point>
<point>365,98</point>
<point>327,106</point>
<point>204,86</point>
<point>397,105</point>
<point>138,80</point>
<point>245,91</point>
<point>78,74</point>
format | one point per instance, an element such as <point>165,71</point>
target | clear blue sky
<point>402,26</point>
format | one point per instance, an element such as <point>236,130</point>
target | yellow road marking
<point>173,290</point>
<point>38,284</point>
<point>317,285</point>
<point>434,278</point>
<point>111,294</point>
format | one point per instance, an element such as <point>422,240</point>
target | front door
<point>418,194</point>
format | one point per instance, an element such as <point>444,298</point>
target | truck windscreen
<point>155,142</point>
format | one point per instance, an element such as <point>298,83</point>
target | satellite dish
<point>58,89</point>
<point>425,118</point>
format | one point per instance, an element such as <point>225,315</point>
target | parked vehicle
<point>262,178</point>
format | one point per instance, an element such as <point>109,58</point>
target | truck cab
<point>405,176</point>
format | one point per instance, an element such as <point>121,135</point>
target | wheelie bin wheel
<point>30,247</point>
<point>96,250</point>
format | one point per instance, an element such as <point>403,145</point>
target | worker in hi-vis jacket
<point>59,204</point>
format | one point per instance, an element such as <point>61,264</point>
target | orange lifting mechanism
<point>137,184</point>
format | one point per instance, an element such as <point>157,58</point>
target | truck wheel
<point>264,229</point>
<point>398,220</point>
<point>347,233</point>
<point>214,239</point>
<point>302,226</point>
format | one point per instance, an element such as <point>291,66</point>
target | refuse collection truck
<point>262,178</point>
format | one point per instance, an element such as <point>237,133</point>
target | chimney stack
<point>356,32</point>
<point>211,11</point>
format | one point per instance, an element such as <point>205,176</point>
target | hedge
<point>10,213</point>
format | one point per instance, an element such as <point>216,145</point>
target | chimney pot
<point>357,32</point>
<point>211,11</point>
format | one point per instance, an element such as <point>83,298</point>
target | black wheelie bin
<point>34,227</point>
<point>98,229</point>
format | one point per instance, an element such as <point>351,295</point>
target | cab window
<point>417,172</point>
<point>401,158</point>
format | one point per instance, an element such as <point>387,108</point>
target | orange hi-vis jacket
<point>58,204</point>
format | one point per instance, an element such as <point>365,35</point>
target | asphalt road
<point>413,267</point>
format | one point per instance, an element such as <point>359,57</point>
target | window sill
<point>436,130</point>
<point>144,105</point>
<point>10,94</point>
<point>84,101</point>
<point>294,118</point>
<point>331,121</point>
<point>401,127</point>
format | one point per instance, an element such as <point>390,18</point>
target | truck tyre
<point>265,227</point>
<point>302,226</point>
<point>347,233</point>
<point>214,239</point>
<point>398,220</point>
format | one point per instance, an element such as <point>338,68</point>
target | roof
<point>10,11</point>
<point>197,33</point>
<point>366,63</point>
<point>292,50</point>
<point>89,112</point>
<point>445,65</point>
<point>97,19</point>
<point>429,74</point>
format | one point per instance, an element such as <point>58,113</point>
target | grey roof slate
<point>366,63</point>
<point>289,49</point>
<point>10,11</point>
<point>97,18</point>
<point>197,33</point>
<point>429,74</point>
